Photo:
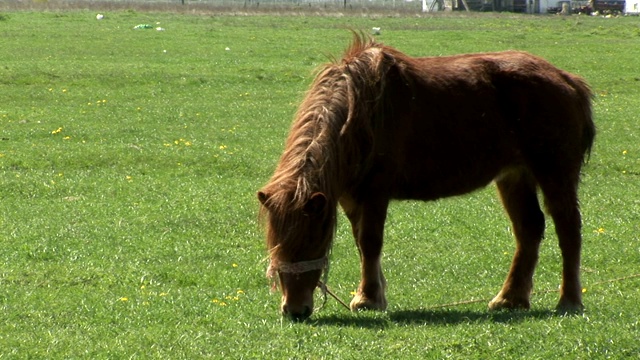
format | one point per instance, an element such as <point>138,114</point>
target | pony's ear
<point>383,62</point>
<point>263,197</point>
<point>316,204</point>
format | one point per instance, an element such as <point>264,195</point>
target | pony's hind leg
<point>367,222</point>
<point>561,202</point>
<point>518,194</point>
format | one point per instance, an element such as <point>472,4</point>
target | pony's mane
<point>342,97</point>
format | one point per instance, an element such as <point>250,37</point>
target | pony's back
<point>465,118</point>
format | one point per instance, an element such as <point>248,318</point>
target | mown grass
<point>129,163</point>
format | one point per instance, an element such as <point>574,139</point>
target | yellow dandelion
<point>240,292</point>
<point>215,301</point>
<point>57,131</point>
<point>599,231</point>
<point>163,294</point>
<point>584,290</point>
<point>124,299</point>
<point>188,143</point>
<point>222,147</point>
<point>234,265</point>
<point>66,137</point>
<point>353,293</point>
<point>624,152</point>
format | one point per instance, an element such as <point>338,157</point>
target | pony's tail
<point>588,127</point>
<point>588,135</point>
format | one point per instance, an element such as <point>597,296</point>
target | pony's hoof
<point>566,307</point>
<point>500,303</point>
<point>360,302</point>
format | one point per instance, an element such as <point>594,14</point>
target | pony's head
<point>299,235</point>
<point>330,139</point>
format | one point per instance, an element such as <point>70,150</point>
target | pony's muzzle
<point>298,281</point>
<point>297,313</point>
<point>297,296</point>
<point>297,304</point>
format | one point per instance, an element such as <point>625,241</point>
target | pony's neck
<point>314,141</point>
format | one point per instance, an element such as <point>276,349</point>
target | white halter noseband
<point>300,267</point>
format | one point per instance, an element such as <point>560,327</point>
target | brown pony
<point>380,125</point>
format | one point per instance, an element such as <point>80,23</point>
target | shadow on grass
<point>351,320</point>
<point>453,317</point>
<point>429,317</point>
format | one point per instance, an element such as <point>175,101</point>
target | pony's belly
<point>432,189</point>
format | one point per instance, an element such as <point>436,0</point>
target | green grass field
<point>129,162</point>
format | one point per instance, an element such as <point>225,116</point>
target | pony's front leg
<point>367,222</point>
